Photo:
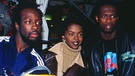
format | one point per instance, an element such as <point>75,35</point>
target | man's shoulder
<point>130,37</point>
<point>4,40</point>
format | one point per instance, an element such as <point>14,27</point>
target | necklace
<point>110,58</point>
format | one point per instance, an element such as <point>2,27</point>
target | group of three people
<point>109,52</point>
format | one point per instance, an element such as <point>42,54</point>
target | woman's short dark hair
<point>68,21</point>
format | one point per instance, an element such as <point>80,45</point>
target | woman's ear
<point>16,26</point>
<point>63,38</point>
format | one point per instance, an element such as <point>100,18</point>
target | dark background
<point>59,8</point>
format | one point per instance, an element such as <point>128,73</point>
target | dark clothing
<point>51,63</point>
<point>16,62</point>
<point>125,51</point>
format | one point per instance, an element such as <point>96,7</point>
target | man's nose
<point>108,19</point>
<point>34,25</point>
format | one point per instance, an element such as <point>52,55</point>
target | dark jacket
<point>12,61</point>
<point>92,48</point>
<point>51,63</point>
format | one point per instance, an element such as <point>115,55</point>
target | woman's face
<point>73,36</point>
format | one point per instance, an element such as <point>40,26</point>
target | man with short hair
<point>110,51</point>
<point>17,54</point>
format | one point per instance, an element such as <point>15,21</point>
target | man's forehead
<point>108,8</point>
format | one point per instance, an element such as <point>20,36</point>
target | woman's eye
<point>70,34</point>
<point>81,34</point>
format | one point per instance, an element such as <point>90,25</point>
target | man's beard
<point>29,41</point>
<point>108,32</point>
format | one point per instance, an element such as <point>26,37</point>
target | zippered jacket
<point>92,48</point>
<point>16,63</point>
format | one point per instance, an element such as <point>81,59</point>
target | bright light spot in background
<point>51,25</point>
<point>48,17</point>
<point>63,18</point>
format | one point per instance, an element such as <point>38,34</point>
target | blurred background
<point>58,10</point>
